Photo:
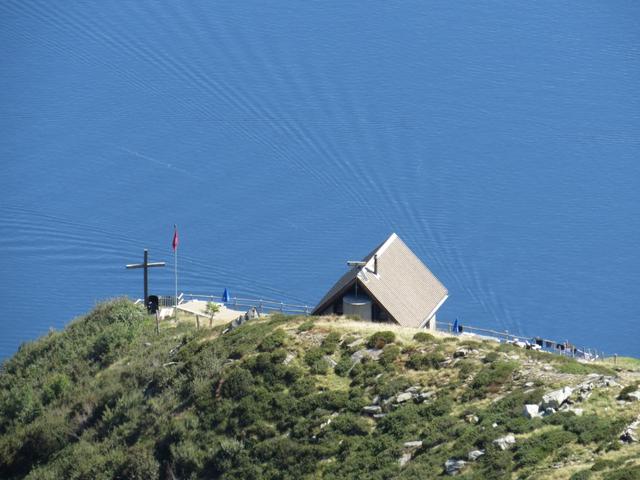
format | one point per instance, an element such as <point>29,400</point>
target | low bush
<point>343,366</point>
<point>536,448</point>
<point>424,337</point>
<point>305,326</point>
<point>389,354</point>
<point>624,393</point>
<point>492,376</point>
<point>330,343</point>
<point>425,361</point>
<point>380,339</point>
<point>273,341</point>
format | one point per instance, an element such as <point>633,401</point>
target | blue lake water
<point>500,140</point>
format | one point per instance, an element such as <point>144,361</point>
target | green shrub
<point>581,475</point>
<point>313,355</point>
<point>389,354</point>
<point>492,376</point>
<point>330,343</point>
<point>625,473</point>
<point>320,367</point>
<point>425,361</point>
<point>350,424</point>
<point>491,357</point>
<point>424,337</point>
<point>536,448</point>
<point>273,341</point>
<point>589,428</point>
<point>238,383</point>
<point>380,339</point>
<point>344,366</point>
<point>305,326</point>
<point>624,393</point>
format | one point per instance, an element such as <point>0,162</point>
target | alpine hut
<point>390,284</point>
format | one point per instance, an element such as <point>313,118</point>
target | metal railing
<point>551,346</point>
<point>263,305</point>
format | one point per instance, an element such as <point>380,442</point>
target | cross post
<point>146,265</point>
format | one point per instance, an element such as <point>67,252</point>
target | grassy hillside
<point>295,397</point>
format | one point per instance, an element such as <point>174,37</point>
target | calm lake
<point>500,140</point>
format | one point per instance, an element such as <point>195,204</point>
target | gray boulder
<point>404,459</point>
<point>413,445</point>
<point>506,442</point>
<point>404,397</point>
<point>453,467</point>
<point>531,411</point>
<point>631,433</point>
<point>634,396</point>
<point>371,409</point>
<point>556,398</point>
<point>473,455</point>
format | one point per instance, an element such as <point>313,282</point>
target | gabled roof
<point>403,285</point>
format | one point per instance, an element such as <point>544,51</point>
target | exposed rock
<point>376,400</point>
<point>531,411</point>
<point>371,409</point>
<point>529,384</point>
<point>472,419</point>
<point>403,397</point>
<point>461,352</point>
<point>503,443</point>
<point>473,455</point>
<point>577,411</point>
<point>631,433</point>
<point>355,343</point>
<point>414,389</point>
<point>288,358</point>
<point>404,459</point>
<point>413,445</point>
<point>556,398</point>
<point>634,396</point>
<point>426,395</point>
<point>549,411</point>
<point>453,467</point>
<point>378,416</point>
<point>370,353</point>
<point>330,361</point>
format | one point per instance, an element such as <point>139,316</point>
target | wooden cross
<point>146,265</point>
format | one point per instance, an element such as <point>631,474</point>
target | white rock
<point>413,445</point>
<point>503,443</point>
<point>371,409</point>
<point>556,398</point>
<point>472,419</point>
<point>404,459</point>
<point>475,454</point>
<point>403,397</point>
<point>531,411</point>
<point>577,411</point>
<point>634,396</point>
<point>453,467</point>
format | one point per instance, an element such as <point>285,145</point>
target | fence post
<point>261,307</point>
<point>281,307</point>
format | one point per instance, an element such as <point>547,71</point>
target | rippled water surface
<point>500,140</point>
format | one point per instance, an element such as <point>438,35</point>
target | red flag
<point>175,241</point>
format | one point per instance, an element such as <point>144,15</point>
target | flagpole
<point>175,272</point>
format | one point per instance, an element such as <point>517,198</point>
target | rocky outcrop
<point>506,442</point>
<point>453,467</point>
<point>531,411</point>
<point>556,398</point>
<point>473,455</point>
<point>632,432</point>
